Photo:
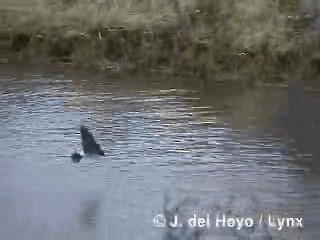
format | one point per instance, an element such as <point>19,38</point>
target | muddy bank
<point>211,42</point>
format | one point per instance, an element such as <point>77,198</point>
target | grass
<point>248,39</point>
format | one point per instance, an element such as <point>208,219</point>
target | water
<point>166,145</point>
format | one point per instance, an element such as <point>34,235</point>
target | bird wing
<point>89,145</point>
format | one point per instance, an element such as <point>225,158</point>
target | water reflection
<point>159,138</point>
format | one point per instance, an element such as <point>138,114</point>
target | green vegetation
<point>208,39</point>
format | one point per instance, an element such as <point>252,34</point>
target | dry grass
<point>85,15</point>
<point>206,38</point>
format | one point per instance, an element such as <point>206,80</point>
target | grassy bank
<point>207,39</point>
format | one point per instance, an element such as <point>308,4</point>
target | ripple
<point>155,140</point>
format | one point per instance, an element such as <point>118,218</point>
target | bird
<point>89,145</point>
<point>76,157</point>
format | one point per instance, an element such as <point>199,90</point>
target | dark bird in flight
<point>89,145</point>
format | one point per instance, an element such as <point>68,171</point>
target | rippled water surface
<point>163,139</point>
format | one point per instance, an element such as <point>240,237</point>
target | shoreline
<point>183,40</point>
